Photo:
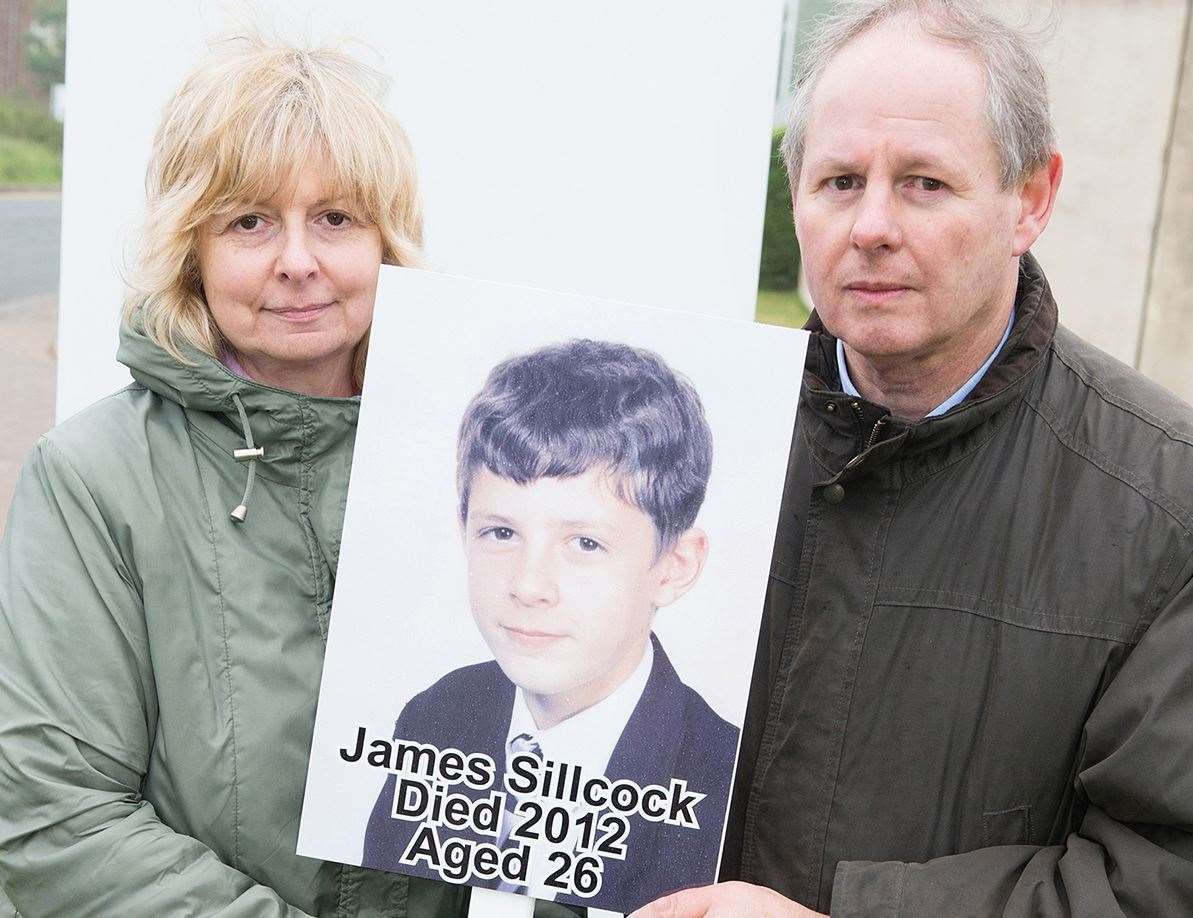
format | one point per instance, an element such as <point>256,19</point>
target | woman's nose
<point>296,260</point>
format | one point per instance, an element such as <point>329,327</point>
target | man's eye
<point>498,533</point>
<point>843,182</point>
<point>587,545</point>
<point>923,183</point>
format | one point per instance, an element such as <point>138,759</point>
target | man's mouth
<point>876,291</point>
<point>876,286</point>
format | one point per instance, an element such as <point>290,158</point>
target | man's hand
<point>725,900</point>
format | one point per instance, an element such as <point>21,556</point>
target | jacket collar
<point>294,431</point>
<point>841,429</point>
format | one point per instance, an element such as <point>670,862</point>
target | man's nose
<point>296,260</point>
<point>534,582</point>
<point>875,223</point>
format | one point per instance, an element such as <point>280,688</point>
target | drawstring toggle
<point>252,454</point>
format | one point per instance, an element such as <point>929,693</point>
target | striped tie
<point>522,743</point>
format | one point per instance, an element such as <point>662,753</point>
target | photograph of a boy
<point>581,469</point>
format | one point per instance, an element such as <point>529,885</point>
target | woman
<point>167,573</point>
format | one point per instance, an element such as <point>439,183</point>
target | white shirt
<point>587,739</point>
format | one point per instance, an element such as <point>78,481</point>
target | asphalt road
<point>29,230</point>
<point>30,227</point>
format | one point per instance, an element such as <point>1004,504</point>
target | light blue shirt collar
<point>953,400</point>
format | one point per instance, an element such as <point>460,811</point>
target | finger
<point>687,903</point>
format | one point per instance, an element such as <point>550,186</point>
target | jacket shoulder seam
<point>1099,386</point>
<point>1179,516</point>
<point>1092,455</point>
<point>123,569</point>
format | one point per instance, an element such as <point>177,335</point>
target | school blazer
<point>672,732</point>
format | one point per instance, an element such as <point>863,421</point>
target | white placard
<point>617,149</point>
<point>406,610</point>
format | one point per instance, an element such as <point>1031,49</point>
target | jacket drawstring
<point>250,454</point>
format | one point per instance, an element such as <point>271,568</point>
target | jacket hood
<point>291,431</point>
<point>843,436</point>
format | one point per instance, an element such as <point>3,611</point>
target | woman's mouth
<point>302,312</point>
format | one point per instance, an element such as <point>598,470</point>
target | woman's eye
<point>499,533</point>
<point>336,218</point>
<point>588,545</point>
<point>247,222</point>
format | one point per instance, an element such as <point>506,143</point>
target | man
<point>972,694</point>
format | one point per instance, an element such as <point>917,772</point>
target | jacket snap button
<point>834,494</point>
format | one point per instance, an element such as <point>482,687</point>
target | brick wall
<point>15,16</point>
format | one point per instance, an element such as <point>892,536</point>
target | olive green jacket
<point>159,662</point>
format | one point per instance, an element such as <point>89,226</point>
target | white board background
<point>617,149</point>
<point>402,580</point>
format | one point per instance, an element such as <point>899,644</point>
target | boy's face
<point>564,582</point>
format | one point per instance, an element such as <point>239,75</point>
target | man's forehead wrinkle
<point>877,145</point>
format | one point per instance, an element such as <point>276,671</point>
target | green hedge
<point>780,251</point>
<point>23,162</point>
<point>21,119</point>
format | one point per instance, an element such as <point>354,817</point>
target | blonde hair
<point>239,128</point>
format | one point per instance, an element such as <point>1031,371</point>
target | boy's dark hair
<point>567,408</point>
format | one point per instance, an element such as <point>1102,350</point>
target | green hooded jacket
<point>159,661</point>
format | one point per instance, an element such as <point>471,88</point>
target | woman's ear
<point>680,566</point>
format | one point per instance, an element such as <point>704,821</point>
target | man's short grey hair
<point>1016,90</point>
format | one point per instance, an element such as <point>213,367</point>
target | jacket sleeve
<point>1132,852</point>
<point>78,713</point>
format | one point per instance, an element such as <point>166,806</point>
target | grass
<point>780,307</point>
<point>23,162</point>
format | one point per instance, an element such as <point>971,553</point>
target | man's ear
<point>680,566</point>
<point>1036,198</point>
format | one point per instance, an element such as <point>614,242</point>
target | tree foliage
<point>780,251</point>
<point>45,42</point>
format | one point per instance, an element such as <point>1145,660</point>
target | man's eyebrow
<point>923,162</point>
<point>833,165</point>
